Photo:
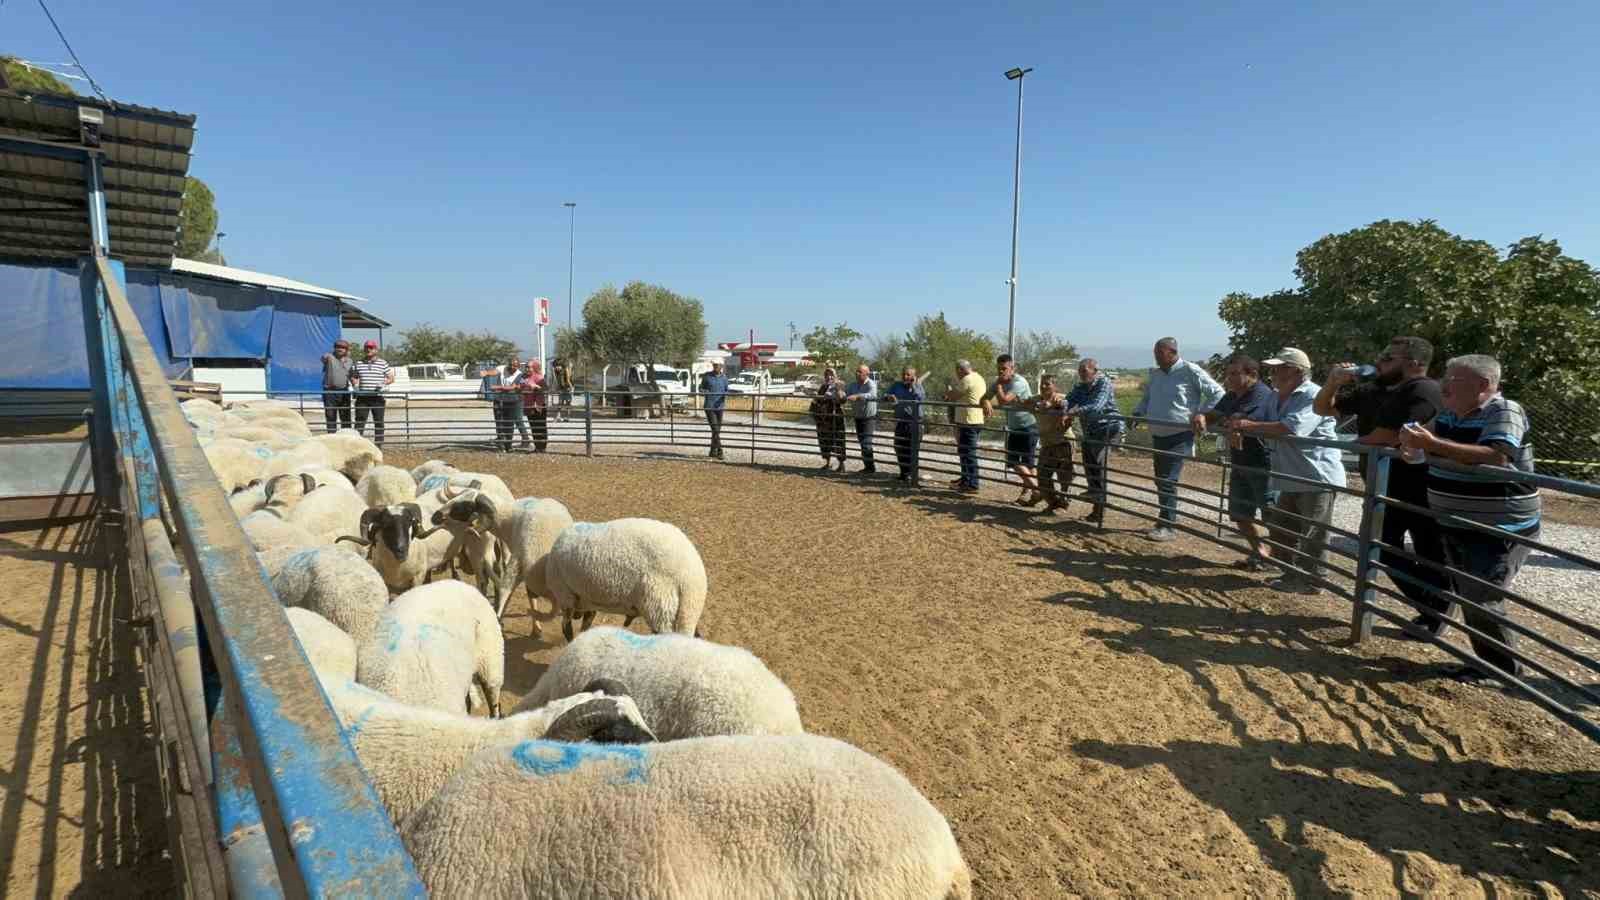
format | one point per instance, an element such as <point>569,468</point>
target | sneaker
<point>968,489</point>
<point>1161,534</point>
<point>1096,515</point>
<point>957,483</point>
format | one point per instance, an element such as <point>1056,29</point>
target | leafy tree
<point>834,346</point>
<point>641,323</point>
<point>1038,351</point>
<point>428,343</point>
<point>197,219</point>
<point>933,345</point>
<point>24,79</point>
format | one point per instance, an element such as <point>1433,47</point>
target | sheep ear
<point>254,482</point>
<point>608,686</point>
<point>269,487</point>
<point>368,519</point>
<point>414,513</point>
<point>483,505</point>
<point>307,482</point>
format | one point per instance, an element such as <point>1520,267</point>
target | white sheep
<point>477,548</point>
<point>446,487</point>
<point>337,585</point>
<point>409,752</point>
<point>324,476</point>
<point>432,467</point>
<point>303,454</point>
<point>636,567</point>
<point>284,492</point>
<point>257,434</point>
<point>328,513</point>
<point>432,646</point>
<point>236,463</point>
<point>526,529</point>
<point>283,420</point>
<point>331,652</point>
<point>749,816</point>
<point>386,486</point>
<point>268,530</point>
<point>352,454</point>
<point>685,686</point>
<point>249,498</point>
<point>397,546</point>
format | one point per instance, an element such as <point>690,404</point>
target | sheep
<point>283,420</point>
<point>410,752</point>
<point>284,492</point>
<point>268,530</point>
<point>385,486</point>
<point>247,499</point>
<point>200,411</point>
<point>432,467</point>
<point>328,513</point>
<point>331,652</point>
<point>324,476</point>
<point>637,567</point>
<point>235,462</point>
<point>352,454</point>
<point>476,547</point>
<point>447,487</point>
<point>749,816</point>
<point>432,646</point>
<point>258,434</point>
<point>305,454</point>
<point>274,559</point>
<point>527,529</point>
<point>686,687</point>
<point>396,545</point>
<point>337,585</point>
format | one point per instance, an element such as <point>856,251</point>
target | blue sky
<point>819,163</point>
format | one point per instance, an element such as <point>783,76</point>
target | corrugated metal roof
<point>352,315</point>
<point>43,212</point>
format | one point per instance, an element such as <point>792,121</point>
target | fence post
<point>672,423</point>
<point>588,423</point>
<point>408,419</point>
<point>753,401</point>
<point>1376,475</point>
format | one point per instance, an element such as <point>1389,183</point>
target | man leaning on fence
<point>373,375</point>
<point>1480,428</point>
<point>499,387</point>
<point>827,409</point>
<point>1304,476</point>
<point>907,395</point>
<point>1093,402</point>
<point>1176,397</point>
<point>862,395</point>
<point>1395,391</point>
<point>1049,408</point>
<point>966,415</point>
<point>714,399</point>
<point>1248,399</point>
<point>336,382</point>
<point>1010,392</point>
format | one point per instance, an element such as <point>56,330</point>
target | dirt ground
<point>80,802</point>
<point>1098,715</point>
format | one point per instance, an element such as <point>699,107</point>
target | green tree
<point>197,220</point>
<point>1045,351</point>
<point>429,343</point>
<point>933,345</point>
<point>24,79</point>
<point>834,346</point>
<point>641,323</point>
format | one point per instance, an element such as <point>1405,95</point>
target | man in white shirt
<point>1176,398</point>
<point>371,376</point>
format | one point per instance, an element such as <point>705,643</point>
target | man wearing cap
<point>714,394</point>
<point>372,375</point>
<point>1176,398</point>
<point>336,369</point>
<point>1303,475</point>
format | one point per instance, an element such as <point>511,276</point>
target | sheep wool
<point>294,456</point>
<point>331,652</point>
<point>409,752</point>
<point>352,454</point>
<point>755,817</point>
<point>236,462</point>
<point>636,567</point>
<point>432,645</point>
<point>329,513</point>
<point>385,486</point>
<point>685,687</point>
<point>448,486</point>
<point>267,530</point>
<point>431,467</point>
<point>335,584</point>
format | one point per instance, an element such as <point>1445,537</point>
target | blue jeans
<point>967,451</point>
<point>1169,469</point>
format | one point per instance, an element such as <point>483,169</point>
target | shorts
<point>1022,448</point>
<point>1248,493</point>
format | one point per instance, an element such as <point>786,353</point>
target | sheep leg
<point>588,620</point>
<point>628,620</point>
<point>566,626</point>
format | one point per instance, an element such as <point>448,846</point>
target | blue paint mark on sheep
<point>434,482</point>
<point>543,759</point>
<point>394,631</point>
<point>637,641</point>
<point>588,527</point>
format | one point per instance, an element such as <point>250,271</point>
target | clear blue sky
<point>820,163</point>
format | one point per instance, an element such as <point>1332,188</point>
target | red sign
<point>542,310</point>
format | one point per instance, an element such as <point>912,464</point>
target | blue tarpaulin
<point>185,317</point>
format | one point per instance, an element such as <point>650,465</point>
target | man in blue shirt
<point>714,394</point>
<point>863,397</point>
<point>1010,392</point>
<point>1093,402</point>
<point>907,395</point>
<point>1248,399</point>
<point>1176,397</point>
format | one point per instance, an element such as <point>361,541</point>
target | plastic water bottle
<point>1413,455</point>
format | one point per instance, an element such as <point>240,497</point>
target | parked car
<point>807,384</point>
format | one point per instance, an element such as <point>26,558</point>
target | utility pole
<point>1016,200</point>
<point>572,232</point>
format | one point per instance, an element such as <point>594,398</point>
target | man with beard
<point>1399,392</point>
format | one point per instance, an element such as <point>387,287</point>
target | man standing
<point>863,397</point>
<point>499,387</point>
<point>336,369</point>
<point>372,374</point>
<point>1479,427</point>
<point>1399,392</point>
<point>1093,401</point>
<point>1010,392</point>
<point>1247,400</point>
<point>966,414</point>
<point>535,404</point>
<point>714,394</point>
<point>562,373</point>
<point>1055,452</point>
<point>828,411</point>
<point>1175,400</point>
<point>1303,475</point>
<point>908,395</point>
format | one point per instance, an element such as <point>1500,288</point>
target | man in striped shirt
<point>372,375</point>
<point>1479,427</point>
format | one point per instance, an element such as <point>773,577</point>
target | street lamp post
<point>1016,200</point>
<point>220,236</point>
<point>572,226</point>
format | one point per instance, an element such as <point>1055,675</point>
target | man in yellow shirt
<point>967,415</point>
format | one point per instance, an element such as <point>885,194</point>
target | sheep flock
<point>639,765</point>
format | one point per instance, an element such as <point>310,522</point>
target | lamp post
<point>1016,199</point>
<point>220,257</point>
<point>572,231</point>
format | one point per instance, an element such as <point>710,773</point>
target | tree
<point>26,79</point>
<point>834,346</point>
<point>641,323</point>
<point>197,219</point>
<point>933,345</point>
<point>1038,351</point>
<point>428,343</point>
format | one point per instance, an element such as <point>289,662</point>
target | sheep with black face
<point>476,546</point>
<point>392,535</point>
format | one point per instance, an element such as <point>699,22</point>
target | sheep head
<point>471,509</point>
<point>394,526</point>
<point>604,720</point>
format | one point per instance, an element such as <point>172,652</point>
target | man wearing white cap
<point>1303,475</point>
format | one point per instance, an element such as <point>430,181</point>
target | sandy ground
<point>1099,715</point>
<point>80,802</point>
